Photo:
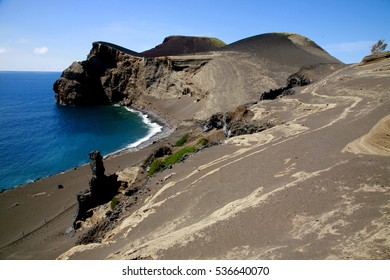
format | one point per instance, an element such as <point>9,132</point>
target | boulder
<point>297,80</point>
<point>234,123</point>
<point>215,121</point>
<point>237,128</point>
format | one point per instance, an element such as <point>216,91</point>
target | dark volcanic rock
<point>298,80</point>
<point>305,76</point>
<point>240,122</point>
<point>312,73</point>
<point>234,123</point>
<point>80,84</point>
<point>95,234</point>
<point>215,121</point>
<point>241,127</point>
<point>114,74</point>
<point>278,92</point>
<point>101,189</point>
<point>157,153</point>
<point>96,163</point>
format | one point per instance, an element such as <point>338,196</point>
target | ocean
<point>39,138</point>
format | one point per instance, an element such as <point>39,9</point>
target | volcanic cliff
<point>222,77</point>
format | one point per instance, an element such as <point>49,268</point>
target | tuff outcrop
<point>112,74</point>
<point>101,189</point>
<point>80,84</point>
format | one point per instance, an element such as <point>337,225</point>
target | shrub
<point>182,140</point>
<point>203,141</point>
<point>156,166</point>
<point>114,202</point>
<point>378,47</point>
<point>176,157</point>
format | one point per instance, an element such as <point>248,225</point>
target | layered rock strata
<point>111,75</point>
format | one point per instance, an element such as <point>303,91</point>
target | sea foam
<point>154,128</point>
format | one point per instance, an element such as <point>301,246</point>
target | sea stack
<point>101,189</point>
<point>96,163</point>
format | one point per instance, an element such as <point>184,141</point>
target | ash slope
<point>290,192</point>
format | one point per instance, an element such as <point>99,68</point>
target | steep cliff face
<point>80,83</point>
<point>111,74</point>
<point>223,78</point>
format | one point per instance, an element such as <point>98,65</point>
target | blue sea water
<point>39,138</point>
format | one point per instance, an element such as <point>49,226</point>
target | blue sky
<point>48,35</point>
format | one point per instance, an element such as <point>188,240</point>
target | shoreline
<point>50,201</point>
<point>150,118</point>
<point>165,127</point>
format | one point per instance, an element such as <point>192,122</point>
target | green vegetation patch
<point>203,141</point>
<point>114,202</point>
<point>217,43</point>
<point>156,166</point>
<point>159,164</point>
<point>176,157</point>
<point>182,140</point>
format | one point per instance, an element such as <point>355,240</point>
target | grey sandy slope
<point>288,192</point>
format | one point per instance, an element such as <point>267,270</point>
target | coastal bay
<point>39,138</point>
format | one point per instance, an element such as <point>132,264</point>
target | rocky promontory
<point>112,73</point>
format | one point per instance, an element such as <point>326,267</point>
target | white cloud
<point>2,50</point>
<point>41,50</point>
